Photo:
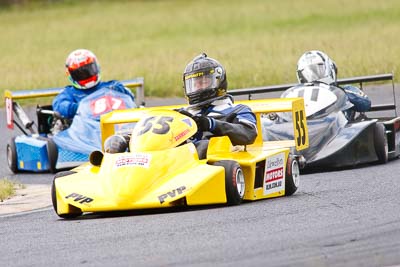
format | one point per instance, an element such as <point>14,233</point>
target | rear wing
<point>360,80</point>
<point>295,106</point>
<point>260,108</point>
<point>13,107</point>
<point>137,83</point>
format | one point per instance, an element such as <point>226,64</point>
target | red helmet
<point>83,69</point>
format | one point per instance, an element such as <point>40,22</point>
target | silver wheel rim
<point>240,185</point>
<point>9,156</point>
<point>386,150</point>
<point>295,173</point>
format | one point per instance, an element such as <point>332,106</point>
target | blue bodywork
<point>72,146</point>
<point>32,153</point>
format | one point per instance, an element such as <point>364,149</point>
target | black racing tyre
<point>234,181</point>
<point>292,177</point>
<point>54,197</point>
<point>12,156</point>
<point>380,143</point>
<point>52,154</point>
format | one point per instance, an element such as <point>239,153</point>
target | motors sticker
<point>138,159</point>
<point>274,176</point>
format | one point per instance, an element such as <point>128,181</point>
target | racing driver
<point>205,87</point>
<point>213,110</point>
<point>83,71</point>
<point>315,66</point>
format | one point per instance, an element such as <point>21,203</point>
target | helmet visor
<point>85,72</point>
<point>198,81</point>
<point>313,72</point>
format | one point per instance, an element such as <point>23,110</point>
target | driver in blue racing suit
<point>83,71</point>
<point>316,67</point>
<point>213,110</point>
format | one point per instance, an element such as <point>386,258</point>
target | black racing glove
<point>204,123</point>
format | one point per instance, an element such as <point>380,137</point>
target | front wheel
<point>234,181</point>
<point>292,179</point>
<point>75,212</point>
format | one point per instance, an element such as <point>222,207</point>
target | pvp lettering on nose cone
<point>79,198</point>
<point>171,194</point>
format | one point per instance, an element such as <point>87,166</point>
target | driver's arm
<point>65,105</point>
<point>358,98</point>
<point>240,127</point>
<point>240,133</point>
<point>118,86</point>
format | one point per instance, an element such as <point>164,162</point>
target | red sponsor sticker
<point>182,134</point>
<point>273,175</point>
<point>9,113</point>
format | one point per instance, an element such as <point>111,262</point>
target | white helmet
<point>316,66</point>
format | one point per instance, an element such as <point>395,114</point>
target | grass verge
<point>258,41</point>
<point>8,188</point>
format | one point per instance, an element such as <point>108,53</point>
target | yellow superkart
<point>162,168</point>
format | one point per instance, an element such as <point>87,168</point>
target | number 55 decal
<point>300,127</point>
<point>162,126</point>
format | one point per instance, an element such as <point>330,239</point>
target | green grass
<point>258,41</point>
<point>7,188</point>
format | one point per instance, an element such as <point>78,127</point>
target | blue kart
<point>54,143</point>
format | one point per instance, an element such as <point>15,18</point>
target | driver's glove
<point>204,123</point>
<point>184,112</point>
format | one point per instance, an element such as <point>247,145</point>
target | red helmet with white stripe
<point>82,69</point>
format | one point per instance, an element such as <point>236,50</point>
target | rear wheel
<point>234,181</point>
<point>380,143</point>
<point>52,154</point>
<point>292,179</point>
<point>76,212</point>
<point>12,156</point>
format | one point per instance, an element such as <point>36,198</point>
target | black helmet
<point>204,79</point>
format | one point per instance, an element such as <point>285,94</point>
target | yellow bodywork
<point>164,172</point>
<point>160,182</point>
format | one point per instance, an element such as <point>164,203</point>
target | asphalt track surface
<point>344,217</point>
